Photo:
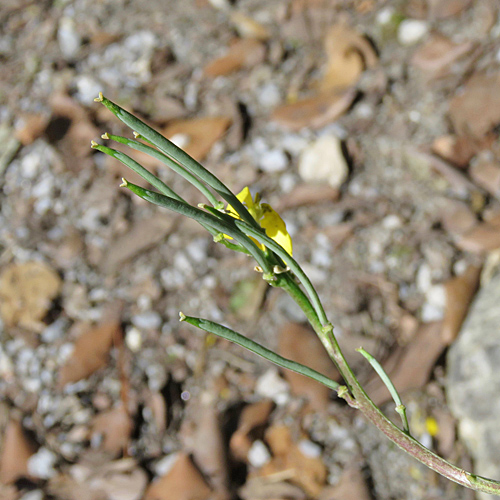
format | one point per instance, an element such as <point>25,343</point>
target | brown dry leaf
<point>410,367</point>
<point>476,110</point>
<point>309,473</point>
<point>16,450</point>
<point>182,482</point>
<point>440,9</point>
<point>243,53</point>
<point>459,294</point>
<point>253,416</point>
<point>263,488</point>
<point>486,174</point>
<point>114,427</point>
<point>26,294</point>
<point>248,27</point>
<point>30,128</point>
<point>92,348</point>
<point>202,436</point>
<point>200,134</point>
<point>351,486</point>
<point>436,55</point>
<point>457,218</point>
<point>308,194</point>
<point>456,149</point>
<point>300,344</point>
<point>81,129</point>
<point>348,53</point>
<point>314,112</point>
<point>144,234</point>
<point>482,238</point>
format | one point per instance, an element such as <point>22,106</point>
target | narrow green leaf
<point>237,338</point>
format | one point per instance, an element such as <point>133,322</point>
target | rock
<point>473,381</point>
<point>411,31</point>
<point>68,38</point>
<point>324,161</point>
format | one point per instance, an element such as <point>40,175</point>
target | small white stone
<point>133,339</point>
<point>391,222</point>
<point>41,464</point>
<point>274,160</point>
<point>165,464</point>
<point>258,454</point>
<point>149,320</point>
<point>68,38</point>
<point>309,449</point>
<point>424,278</point>
<point>384,16</point>
<point>180,140</point>
<point>271,385</point>
<point>269,95</point>
<point>434,307</point>
<point>323,161</point>
<point>411,31</point>
<point>87,89</point>
<point>33,495</point>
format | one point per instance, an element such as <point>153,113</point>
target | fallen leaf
<point>348,53</point>
<point>459,294</point>
<point>307,472</point>
<point>198,134</point>
<point>308,194</point>
<point>114,427</point>
<point>482,238</point>
<point>436,55</point>
<point>30,127</point>
<point>263,488</point>
<point>351,486</point>
<point>202,437</point>
<point>486,174</point>
<point>300,344</point>
<point>476,109</point>
<point>253,416</point>
<point>411,366</point>
<point>314,112</point>
<point>456,149</point>
<point>248,27</point>
<point>182,482</point>
<point>26,294</point>
<point>16,450</point>
<point>457,218</point>
<point>144,234</point>
<point>92,348</point>
<point>244,53</point>
<point>441,9</point>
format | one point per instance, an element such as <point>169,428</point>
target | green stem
<point>180,156</point>
<point>204,219</point>
<point>232,336</point>
<point>186,174</point>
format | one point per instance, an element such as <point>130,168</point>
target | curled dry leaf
<point>253,416</point>
<point>486,174</point>
<point>26,294</point>
<point>458,150</point>
<point>197,135</point>
<point>457,218</point>
<point>314,112</point>
<point>16,450</point>
<point>114,427</point>
<point>459,294</point>
<point>308,194</point>
<point>182,482</point>
<point>30,127</point>
<point>244,53</point>
<point>436,55</point>
<point>349,54</point>
<point>300,344</point>
<point>476,110</point>
<point>92,348</point>
<point>307,472</point>
<point>481,238</point>
<point>248,27</point>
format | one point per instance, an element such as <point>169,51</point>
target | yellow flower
<point>268,219</point>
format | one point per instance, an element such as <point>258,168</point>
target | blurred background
<point>371,126</point>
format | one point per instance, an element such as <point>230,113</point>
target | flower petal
<point>275,227</point>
